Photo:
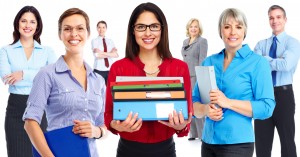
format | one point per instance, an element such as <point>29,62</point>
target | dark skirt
<point>17,140</point>
<point>136,149</point>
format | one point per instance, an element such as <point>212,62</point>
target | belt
<point>283,88</point>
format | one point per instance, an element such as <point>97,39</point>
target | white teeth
<point>148,40</point>
<point>233,39</point>
<point>74,42</point>
<point>27,30</point>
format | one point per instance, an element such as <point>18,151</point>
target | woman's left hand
<point>218,97</point>
<point>13,78</point>
<point>177,121</point>
<point>85,129</point>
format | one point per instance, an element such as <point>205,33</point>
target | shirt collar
<point>61,66</point>
<point>242,52</point>
<point>186,42</point>
<point>100,37</point>
<point>18,44</point>
<point>279,37</point>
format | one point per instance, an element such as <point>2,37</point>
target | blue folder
<point>149,110</point>
<point>63,142</point>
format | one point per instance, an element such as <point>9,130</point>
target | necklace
<point>156,71</point>
<point>151,73</point>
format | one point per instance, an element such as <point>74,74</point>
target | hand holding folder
<point>63,143</point>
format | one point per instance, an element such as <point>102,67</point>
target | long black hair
<point>39,29</point>
<point>132,48</point>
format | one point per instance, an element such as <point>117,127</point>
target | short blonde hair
<point>190,23</point>
<point>232,13</point>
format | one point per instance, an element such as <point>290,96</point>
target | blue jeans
<point>227,150</point>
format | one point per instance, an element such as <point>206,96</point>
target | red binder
<point>144,82</point>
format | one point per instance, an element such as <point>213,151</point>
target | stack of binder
<point>151,99</point>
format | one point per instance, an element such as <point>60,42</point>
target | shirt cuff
<point>268,58</point>
<point>184,131</point>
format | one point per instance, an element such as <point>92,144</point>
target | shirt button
<point>85,109</point>
<point>67,90</point>
<point>83,118</point>
<point>85,99</point>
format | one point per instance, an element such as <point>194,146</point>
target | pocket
<point>96,97</point>
<point>96,103</point>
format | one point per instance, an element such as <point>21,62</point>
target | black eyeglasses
<point>153,27</point>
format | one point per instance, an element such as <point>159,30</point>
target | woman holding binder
<point>70,92</point>
<point>245,92</point>
<point>148,54</point>
<point>19,63</point>
<point>194,51</point>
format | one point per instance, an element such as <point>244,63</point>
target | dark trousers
<point>104,74</point>
<point>17,141</point>
<point>227,150</point>
<point>283,120</point>
<point>136,149</point>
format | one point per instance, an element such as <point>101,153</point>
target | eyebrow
<point>146,24</point>
<point>227,24</point>
<point>26,19</point>
<point>72,26</point>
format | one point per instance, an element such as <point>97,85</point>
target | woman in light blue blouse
<point>19,63</point>
<point>69,91</point>
<point>245,92</point>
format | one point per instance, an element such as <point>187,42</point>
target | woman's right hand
<point>215,113</point>
<point>130,124</point>
<point>13,78</point>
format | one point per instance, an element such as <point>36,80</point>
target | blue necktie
<point>272,54</point>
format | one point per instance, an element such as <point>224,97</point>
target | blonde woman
<point>194,51</point>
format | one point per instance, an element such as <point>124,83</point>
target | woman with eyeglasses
<point>19,64</point>
<point>70,92</point>
<point>148,54</point>
<point>194,51</point>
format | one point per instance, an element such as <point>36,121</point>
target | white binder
<point>144,78</point>
<point>206,79</point>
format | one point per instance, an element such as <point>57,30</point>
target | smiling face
<point>277,21</point>
<point>101,28</point>
<point>147,40</point>
<point>74,33</point>
<point>233,34</point>
<point>194,29</point>
<point>27,25</point>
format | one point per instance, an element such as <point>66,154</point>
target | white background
<point>117,12</point>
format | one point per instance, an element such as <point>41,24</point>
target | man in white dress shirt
<point>104,51</point>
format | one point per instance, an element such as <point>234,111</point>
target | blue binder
<point>149,110</point>
<point>63,142</point>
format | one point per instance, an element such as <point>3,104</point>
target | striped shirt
<point>57,92</point>
<point>13,58</point>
